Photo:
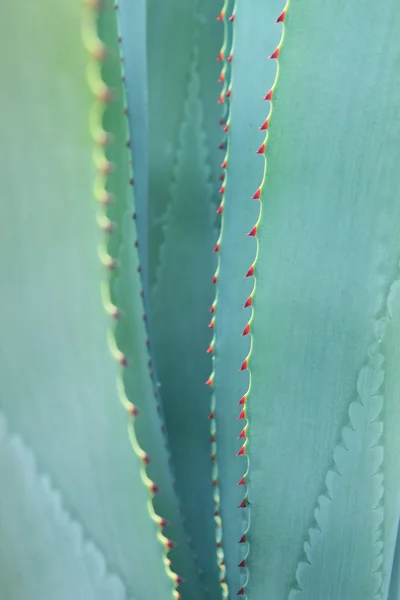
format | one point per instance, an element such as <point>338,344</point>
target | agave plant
<point>178,422</point>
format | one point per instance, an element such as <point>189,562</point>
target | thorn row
<point>250,273</point>
<point>104,167</point>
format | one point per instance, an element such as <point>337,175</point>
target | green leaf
<point>130,331</point>
<point>180,301</point>
<point>44,553</point>
<point>394,589</point>
<point>132,18</point>
<point>252,73</point>
<point>174,29</point>
<point>62,388</point>
<point>325,355</point>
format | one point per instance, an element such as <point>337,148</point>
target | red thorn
<point>242,564</point>
<point>163,523</point>
<point>216,513</point>
<point>209,349</point>
<point>221,77</point>
<point>241,451</point>
<point>169,544</point>
<point>257,195</point>
<point>211,324</point>
<point>221,146</point>
<point>229,59</point>
<point>242,401</point>
<point>179,579</point>
<point>244,365</point>
<point>115,313</point>
<point>269,95</point>
<point>242,539</point>
<point>154,488</point>
<point>243,504</point>
<point>214,279</point>
<point>133,410</point>
<point>261,149</point>
<point>209,381</point>
<point>220,55</point>
<point>221,121</point>
<point>146,459</point>
<point>242,481</point>
<point>123,361</point>
<point>281,17</point>
<point>240,592</point>
<point>212,438</point>
<point>211,415</point>
<point>221,177</point>
<point>228,95</point>
<point>222,189</point>
<point>242,414</point>
<point>213,457</point>
<point>214,483</point>
<point>221,101</point>
<point>221,16</point>
<point>275,54</point>
<point>212,309</point>
<point>241,437</point>
<point>246,330</point>
<point>264,126</point>
<point>219,544</point>
<point>248,302</point>
<point>253,232</point>
<point>223,165</point>
<point>232,18</point>
<point>216,247</point>
<point>220,209</point>
<point>250,272</point>
<point>226,128</point>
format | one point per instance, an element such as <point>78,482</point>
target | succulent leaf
<point>189,24</point>
<point>394,589</point>
<point>67,406</point>
<point>323,405</point>
<point>251,74</point>
<point>133,26</point>
<point>180,301</point>
<point>131,333</point>
<point>32,511</point>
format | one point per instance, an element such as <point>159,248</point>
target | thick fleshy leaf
<point>44,553</point>
<point>252,76</point>
<point>174,30</point>
<point>132,18</point>
<point>394,589</point>
<point>180,301</point>
<point>323,411</point>
<point>62,387</point>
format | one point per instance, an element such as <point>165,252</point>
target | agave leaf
<point>132,18</point>
<point>251,75</point>
<point>180,301</point>
<point>323,407</point>
<point>130,335</point>
<point>59,378</point>
<point>35,528</point>
<point>394,589</point>
<point>174,29</point>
